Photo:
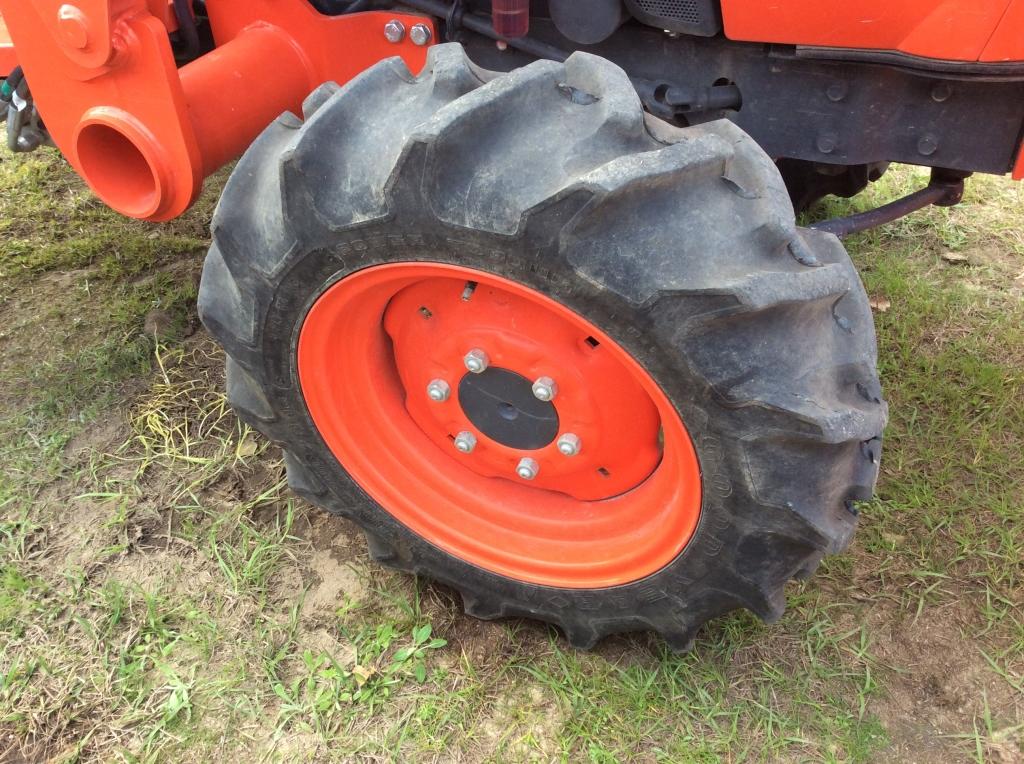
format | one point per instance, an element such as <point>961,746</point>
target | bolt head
<point>74,26</point>
<point>527,468</point>
<point>465,442</point>
<point>545,389</point>
<point>438,390</point>
<point>827,142</point>
<point>394,31</point>
<point>420,34</point>
<point>476,361</point>
<point>836,92</point>
<point>569,444</point>
<point>941,92</point>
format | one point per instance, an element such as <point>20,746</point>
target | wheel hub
<point>502,406</point>
<point>545,376</point>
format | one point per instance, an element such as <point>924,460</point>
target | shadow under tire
<point>677,246</point>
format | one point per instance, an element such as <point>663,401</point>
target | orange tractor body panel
<point>1007,41</point>
<point>951,30</point>
<point>144,133</point>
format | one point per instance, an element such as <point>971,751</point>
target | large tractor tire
<point>569,360</point>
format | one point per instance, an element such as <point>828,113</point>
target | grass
<point>164,597</point>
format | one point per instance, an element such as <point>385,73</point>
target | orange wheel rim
<point>619,509</point>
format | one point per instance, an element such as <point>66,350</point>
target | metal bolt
<point>836,92</point>
<point>527,468</point>
<point>941,92</point>
<point>569,444</point>
<point>420,34</point>
<point>545,389</point>
<point>438,390</point>
<point>465,442</point>
<point>74,26</point>
<point>394,31</point>
<point>476,361</point>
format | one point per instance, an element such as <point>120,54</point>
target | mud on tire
<point>678,243</point>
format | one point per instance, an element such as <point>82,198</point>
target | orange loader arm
<point>143,133</point>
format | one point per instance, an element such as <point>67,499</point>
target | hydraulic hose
<point>187,29</point>
<point>11,84</point>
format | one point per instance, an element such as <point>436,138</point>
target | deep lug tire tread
<point>688,231</point>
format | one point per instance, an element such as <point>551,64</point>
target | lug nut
<point>420,34</point>
<point>545,389</point>
<point>438,390</point>
<point>476,361</point>
<point>569,444</point>
<point>465,442</point>
<point>394,31</point>
<point>527,468</point>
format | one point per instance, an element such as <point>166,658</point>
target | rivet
<point>941,92</point>
<point>928,145</point>
<point>837,91</point>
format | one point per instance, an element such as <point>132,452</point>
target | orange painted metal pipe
<point>239,88</point>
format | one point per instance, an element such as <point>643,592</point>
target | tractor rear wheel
<point>576,363</point>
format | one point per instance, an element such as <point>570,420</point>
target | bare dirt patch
<point>940,686</point>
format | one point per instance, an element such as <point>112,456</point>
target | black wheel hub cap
<point>501,404</point>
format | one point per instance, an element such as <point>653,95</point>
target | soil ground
<point>164,597</point>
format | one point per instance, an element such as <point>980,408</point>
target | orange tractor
<point>517,286</point>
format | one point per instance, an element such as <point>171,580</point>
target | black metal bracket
<point>682,104</point>
<point>945,189</point>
